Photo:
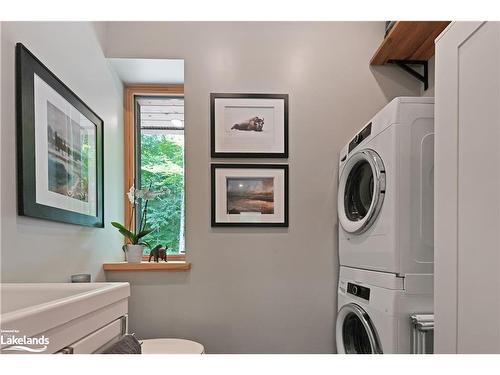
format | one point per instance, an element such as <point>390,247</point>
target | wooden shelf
<point>409,40</point>
<point>148,266</point>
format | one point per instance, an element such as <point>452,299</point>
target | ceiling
<point>162,115</point>
<point>149,71</point>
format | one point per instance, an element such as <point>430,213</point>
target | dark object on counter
<point>159,252</point>
<point>80,278</point>
<point>128,344</point>
<point>388,26</point>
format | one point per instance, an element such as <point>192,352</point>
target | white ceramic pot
<point>134,253</point>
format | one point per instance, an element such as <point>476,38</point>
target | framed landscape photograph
<point>249,195</point>
<point>249,125</point>
<point>59,148</point>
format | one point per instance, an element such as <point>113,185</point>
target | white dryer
<point>374,310</point>
<point>385,194</point>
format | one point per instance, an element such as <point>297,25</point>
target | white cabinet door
<point>467,189</point>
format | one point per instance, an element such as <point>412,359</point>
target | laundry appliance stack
<point>386,228</point>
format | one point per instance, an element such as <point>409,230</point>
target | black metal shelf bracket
<point>406,66</point>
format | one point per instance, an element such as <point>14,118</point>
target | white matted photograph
<point>250,195</point>
<point>65,145</point>
<point>249,125</point>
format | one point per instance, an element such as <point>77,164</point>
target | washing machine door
<point>355,332</point>
<point>361,191</point>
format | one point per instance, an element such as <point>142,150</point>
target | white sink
<point>61,312</point>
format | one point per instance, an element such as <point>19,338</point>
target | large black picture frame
<point>283,223</point>
<point>213,128</point>
<point>27,66</point>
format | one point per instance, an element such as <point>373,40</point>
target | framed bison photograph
<point>249,195</point>
<point>249,125</point>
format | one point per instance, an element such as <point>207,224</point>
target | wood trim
<point>409,40</point>
<point>129,132</point>
<point>147,266</point>
<point>170,257</point>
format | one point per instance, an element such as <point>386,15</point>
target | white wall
<point>36,250</point>
<point>261,290</point>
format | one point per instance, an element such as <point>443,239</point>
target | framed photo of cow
<point>249,125</point>
<point>59,148</point>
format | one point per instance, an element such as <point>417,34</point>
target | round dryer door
<point>361,191</point>
<point>355,332</point>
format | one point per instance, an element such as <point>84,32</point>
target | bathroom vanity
<point>78,318</point>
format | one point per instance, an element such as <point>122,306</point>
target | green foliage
<point>133,238</point>
<point>162,167</point>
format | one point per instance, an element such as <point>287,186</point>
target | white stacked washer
<point>375,308</point>
<point>386,215</point>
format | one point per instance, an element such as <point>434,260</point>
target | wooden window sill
<point>148,266</point>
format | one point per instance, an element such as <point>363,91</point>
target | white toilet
<point>171,346</point>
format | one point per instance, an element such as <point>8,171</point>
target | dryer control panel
<point>360,137</point>
<point>358,291</point>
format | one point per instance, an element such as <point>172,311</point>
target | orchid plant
<point>135,237</point>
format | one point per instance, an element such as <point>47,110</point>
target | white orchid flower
<point>131,194</point>
<point>149,194</point>
<point>139,193</point>
<point>146,194</point>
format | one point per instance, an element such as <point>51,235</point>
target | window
<point>154,146</point>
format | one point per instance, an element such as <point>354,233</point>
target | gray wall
<point>0,144</point>
<point>261,290</point>
<point>431,89</point>
<point>43,251</point>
